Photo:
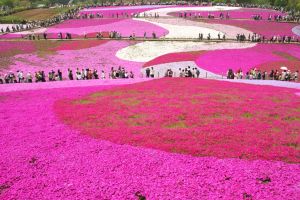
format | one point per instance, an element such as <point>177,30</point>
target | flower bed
<point>122,11</point>
<point>91,26</point>
<point>149,50</point>
<point>17,55</point>
<point>180,30</point>
<point>8,46</point>
<point>296,30</point>
<point>52,55</point>
<point>266,55</point>
<point>243,13</point>
<point>193,28</point>
<point>164,12</point>
<point>194,120</point>
<point>43,158</point>
<point>81,23</point>
<point>126,27</point>
<point>174,57</point>
<point>265,28</point>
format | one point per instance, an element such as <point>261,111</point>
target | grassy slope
<point>34,14</point>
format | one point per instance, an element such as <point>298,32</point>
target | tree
<point>261,2</point>
<point>9,3</point>
<point>294,4</point>
<point>281,3</point>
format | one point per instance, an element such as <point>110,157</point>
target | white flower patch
<point>164,11</point>
<point>296,30</point>
<point>181,31</point>
<point>146,51</point>
<point>274,83</point>
<point>230,31</point>
<point>33,31</point>
<point>160,70</point>
<point>4,26</point>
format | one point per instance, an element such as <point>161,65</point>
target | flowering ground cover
<point>243,13</point>
<point>80,23</point>
<point>48,55</point>
<point>93,54</point>
<point>45,158</point>
<point>122,11</point>
<point>193,120</point>
<point>68,84</point>
<point>193,28</point>
<point>79,27</point>
<point>263,56</point>
<point>215,58</point>
<point>174,57</point>
<point>149,50</point>
<point>265,28</point>
<point>15,52</point>
<point>126,27</point>
<point>181,30</point>
<point>164,12</point>
<point>296,30</point>
<point>165,138</point>
<point>31,46</point>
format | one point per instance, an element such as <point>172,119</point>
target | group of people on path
<point>256,74</point>
<point>186,72</point>
<point>83,74</point>
<point>99,35</point>
<point>182,72</point>
<point>261,38</point>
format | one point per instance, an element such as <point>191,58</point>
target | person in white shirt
<point>102,75</point>
<point>152,72</point>
<point>296,76</point>
<point>20,76</point>
<point>29,77</point>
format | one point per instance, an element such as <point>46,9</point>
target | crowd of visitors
<point>256,74</point>
<point>80,74</point>
<point>198,15</point>
<point>186,72</point>
<point>99,35</point>
<point>260,38</point>
<point>252,74</point>
<point>275,17</point>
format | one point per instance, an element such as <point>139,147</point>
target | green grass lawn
<point>34,14</point>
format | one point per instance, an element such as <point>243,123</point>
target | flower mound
<point>197,117</point>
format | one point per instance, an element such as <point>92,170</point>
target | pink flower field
<point>121,11</point>
<point>119,134</point>
<point>48,55</point>
<point>124,26</point>
<point>266,28</point>
<point>243,13</point>
<point>58,156</point>
<point>264,56</point>
<point>90,27</point>
<point>151,116</point>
